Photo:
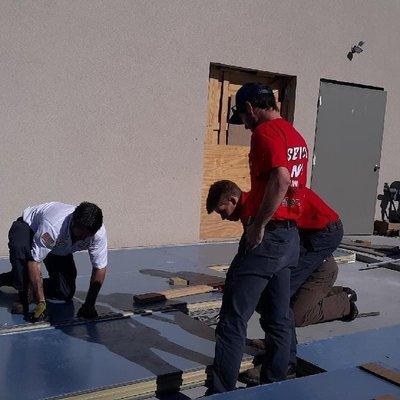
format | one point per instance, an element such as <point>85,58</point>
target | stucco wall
<point>106,100</point>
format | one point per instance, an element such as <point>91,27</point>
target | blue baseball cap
<point>250,92</point>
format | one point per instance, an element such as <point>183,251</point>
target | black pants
<point>62,271</point>
<point>249,275</point>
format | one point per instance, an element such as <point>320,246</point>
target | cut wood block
<point>176,280</point>
<point>386,397</point>
<point>219,267</point>
<point>146,298</point>
<point>362,241</point>
<point>390,375</point>
<point>342,256</point>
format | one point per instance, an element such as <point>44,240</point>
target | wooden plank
<point>366,245</point>
<point>222,162</point>
<point>362,250</point>
<point>214,99</point>
<point>146,298</point>
<point>383,372</point>
<point>224,112</point>
<point>386,397</point>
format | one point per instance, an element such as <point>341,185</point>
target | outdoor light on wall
<point>357,48</point>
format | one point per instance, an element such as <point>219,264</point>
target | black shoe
<point>5,279</point>
<point>291,373</point>
<point>258,344</point>
<point>352,314</point>
<point>250,377</point>
<point>17,308</point>
<point>351,294</point>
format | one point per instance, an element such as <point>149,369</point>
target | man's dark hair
<point>88,216</point>
<point>220,192</point>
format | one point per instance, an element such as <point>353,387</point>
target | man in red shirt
<point>313,297</point>
<point>270,246</point>
<point>317,301</point>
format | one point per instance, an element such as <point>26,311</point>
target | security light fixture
<point>356,49</point>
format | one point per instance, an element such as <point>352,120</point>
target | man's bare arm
<point>88,309</point>
<point>275,191</point>
<point>96,281</point>
<point>36,280</point>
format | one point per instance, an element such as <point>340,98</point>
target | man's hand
<point>254,235</point>
<point>88,312</point>
<point>40,313</point>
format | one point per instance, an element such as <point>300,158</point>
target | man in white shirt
<point>51,233</point>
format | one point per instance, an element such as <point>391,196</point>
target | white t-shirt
<point>50,223</point>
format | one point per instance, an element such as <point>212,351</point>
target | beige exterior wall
<point>106,100</point>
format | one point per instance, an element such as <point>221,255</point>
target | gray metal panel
<point>347,147</point>
<point>131,271</point>
<point>54,362</point>
<point>346,384</point>
<point>350,350</point>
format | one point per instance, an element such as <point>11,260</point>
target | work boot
<point>251,377</point>
<point>17,308</point>
<point>351,294</point>
<point>353,314</point>
<point>256,343</point>
<point>6,279</point>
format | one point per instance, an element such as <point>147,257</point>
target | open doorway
<point>226,147</point>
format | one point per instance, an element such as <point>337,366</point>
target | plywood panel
<point>232,163</point>
<point>222,162</point>
<point>214,99</point>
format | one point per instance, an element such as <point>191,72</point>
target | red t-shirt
<point>316,213</point>
<point>243,209</point>
<point>276,144</point>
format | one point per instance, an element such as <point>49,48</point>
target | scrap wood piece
<point>369,314</point>
<point>386,397</point>
<point>362,250</point>
<point>146,298</point>
<point>388,374</point>
<point>196,278</point>
<point>203,305</point>
<point>343,256</point>
<point>219,267</point>
<point>369,245</point>
<point>178,281</point>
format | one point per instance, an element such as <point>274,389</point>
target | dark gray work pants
<point>249,275</point>
<point>62,271</point>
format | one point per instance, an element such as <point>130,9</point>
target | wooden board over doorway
<point>226,147</point>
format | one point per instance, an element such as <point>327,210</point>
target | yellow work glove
<point>39,314</point>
